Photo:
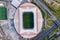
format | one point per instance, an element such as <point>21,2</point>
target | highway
<point>57,23</point>
<point>44,7</point>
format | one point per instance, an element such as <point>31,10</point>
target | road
<point>57,23</point>
<point>2,34</point>
<point>43,6</point>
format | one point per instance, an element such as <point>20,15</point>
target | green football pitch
<point>28,20</point>
<point>3,13</point>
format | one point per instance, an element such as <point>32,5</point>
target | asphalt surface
<point>57,23</point>
<point>42,5</point>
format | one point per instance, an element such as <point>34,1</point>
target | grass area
<point>58,1</point>
<point>50,22</point>
<point>57,15</point>
<point>48,16</point>
<point>3,13</point>
<point>55,9</point>
<point>28,20</point>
